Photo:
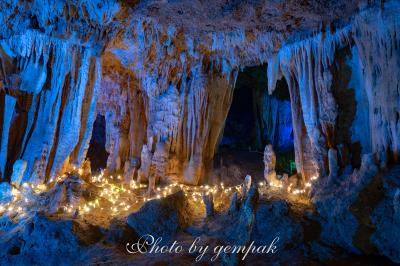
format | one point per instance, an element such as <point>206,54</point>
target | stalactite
<point>273,72</point>
<point>89,113</point>
<point>8,111</point>
<point>308,63</point>
<point>71,119</point>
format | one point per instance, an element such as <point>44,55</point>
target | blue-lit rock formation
<point>160,83</point>
<point>162,76</point>
<point>62,80</point>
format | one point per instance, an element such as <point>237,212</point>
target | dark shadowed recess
<point>97,153</point>
<point>256,119</point>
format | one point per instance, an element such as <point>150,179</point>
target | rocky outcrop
<point>273,220</point>
<point>240,233</point>
<point>386,218</point>
<point>358,212</point>
<point>161,218</point>
<point>338,223</point>
<point>45,241</point>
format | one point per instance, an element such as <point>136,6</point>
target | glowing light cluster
<point>116,197</point>
<point>278,184</point>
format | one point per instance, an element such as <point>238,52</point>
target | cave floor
<point>100,222</point>
<point>94,225</point>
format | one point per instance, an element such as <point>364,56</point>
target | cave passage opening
<point>279,130</point>
<point>97,153</point>
<point>256,119</point>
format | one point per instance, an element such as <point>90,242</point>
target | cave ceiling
<point>107,19</point>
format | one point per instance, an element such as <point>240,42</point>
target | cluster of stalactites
<point>61,114</point>
<point>377,38</point>
<point>186,94</point>
<point>306,66</point>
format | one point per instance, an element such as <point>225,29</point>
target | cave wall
<point>378,35</point>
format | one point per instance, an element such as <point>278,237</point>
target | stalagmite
<point>145,163</point>
<point>285,181</point>
<point>86,170</point>
<point>233,206</point>
<point>248,181</point>
<point>209,203</point>
<point>159,162</point>
<point>269,165</point>
<point>333,164</point>
<point>19,168</point>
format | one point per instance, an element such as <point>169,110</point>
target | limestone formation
<point>240,233</point>
<point>233,206</point>
<point>5,193</point>
<point>159,162</point>
<point>86,170</point>
<point>8,114</point>
<point>285,180</point>
<point>131,171</point>
<point>209,204</point>
<point>269,166</point>
<point>145,163</point>
<point>147,80</point>
<point>18,172</point>
<point>333,163</point>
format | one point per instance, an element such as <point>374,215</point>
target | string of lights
<point>119,198</point>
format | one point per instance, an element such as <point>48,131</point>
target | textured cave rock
<point>240,233</point>
<point>386,217</point>
<point>46,241</point>
<point>272,220</point>
<point>161,218</point>
<point>6,193</point>
<point>359,212</point>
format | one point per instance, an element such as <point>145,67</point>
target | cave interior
<point>227,123</point>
